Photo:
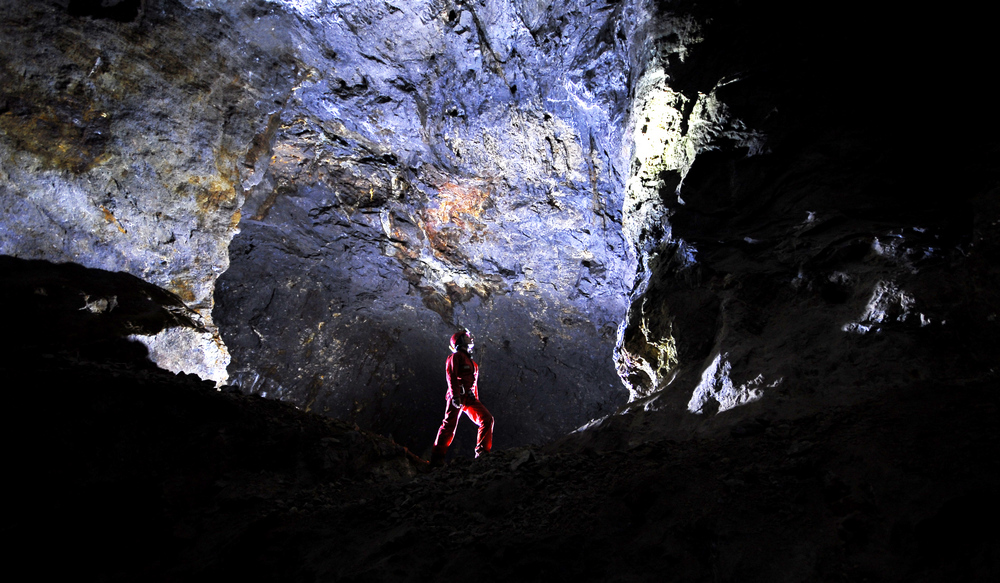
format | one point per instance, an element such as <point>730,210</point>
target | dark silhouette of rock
<point>53,307</point>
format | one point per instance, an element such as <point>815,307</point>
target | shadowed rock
<point>51,307</point>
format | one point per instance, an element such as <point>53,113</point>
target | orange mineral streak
<point>234,221</point>
<point>454,201</point>
<point>217,192</point>
<point>460,206</point>
<point>213,192</point>
<point>110,218</point>
<point>457,216</point>
<point>183,288</point>
<point>67,133</point>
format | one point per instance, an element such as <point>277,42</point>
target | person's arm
<point>455,384</point>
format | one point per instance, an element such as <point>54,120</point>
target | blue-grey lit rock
<point>440,165</point>
<point>396,172</point>
<point>124,141</point>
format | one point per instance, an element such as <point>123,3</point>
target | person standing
<point>462,374</point>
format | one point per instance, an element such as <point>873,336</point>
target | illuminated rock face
<point>397,172</point>
<point>720,201</point>
<point>124,141</point>
<point>440,165</point>
<point>786,217</point>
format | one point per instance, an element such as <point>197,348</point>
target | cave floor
<point>128,473</point>
<point>889,490</point>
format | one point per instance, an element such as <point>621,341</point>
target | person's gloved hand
<point>456,400</point>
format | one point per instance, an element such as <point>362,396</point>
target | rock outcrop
<point>780,224</point>
<point>396,172</point>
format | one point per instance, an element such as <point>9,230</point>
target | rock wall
<point>806,192</point>
<point>803,242</point>
<point>440,165</point>
<point>397,172</point>
<point>124,138</point>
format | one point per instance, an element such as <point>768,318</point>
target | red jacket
<point>463,375</point>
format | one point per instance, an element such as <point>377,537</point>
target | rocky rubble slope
<point>892,489</point>
<point>133,474</point>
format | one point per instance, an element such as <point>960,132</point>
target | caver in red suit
<point>463,397</point>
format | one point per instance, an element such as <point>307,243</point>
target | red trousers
<point>479,415</point>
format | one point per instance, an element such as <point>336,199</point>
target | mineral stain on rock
<point>455,219</point>
<point>68,132</point>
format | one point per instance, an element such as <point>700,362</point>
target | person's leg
<point>481,416</point>
<point>446,433</point>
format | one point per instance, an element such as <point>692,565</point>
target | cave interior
<point>732,272</point>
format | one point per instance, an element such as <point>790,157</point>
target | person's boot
<point>437,458</point>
